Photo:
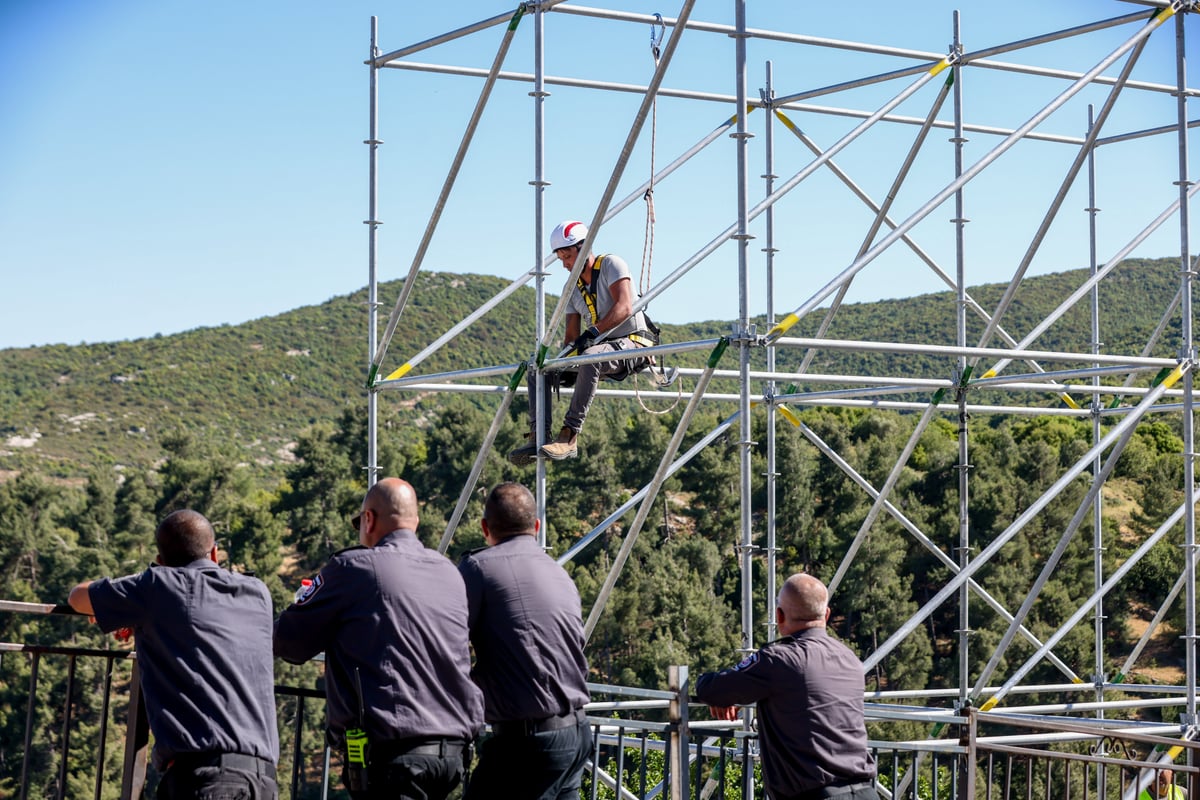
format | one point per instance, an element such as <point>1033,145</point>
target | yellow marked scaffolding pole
<point>485,447</point>
<point>660,476</point>
<point>448,184</point>
<point>858,264</point>
<point>618,170</point>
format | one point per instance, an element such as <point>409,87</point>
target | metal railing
<point>634,733</point>
<point>644,746</point>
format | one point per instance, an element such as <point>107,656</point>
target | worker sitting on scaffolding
<point>604,296</point>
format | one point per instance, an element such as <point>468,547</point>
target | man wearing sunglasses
<point>391,618</point>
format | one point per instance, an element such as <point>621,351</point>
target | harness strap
<point>589,297</point>
<point>640,339</point>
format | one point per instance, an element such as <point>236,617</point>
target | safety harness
<point>646,338</point>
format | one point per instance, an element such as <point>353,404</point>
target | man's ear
<point>158,560</point>
<point>537,525</point>
<point>212,554</point>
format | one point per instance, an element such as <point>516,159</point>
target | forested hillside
<point>258,385</point>
<point>262,428</point>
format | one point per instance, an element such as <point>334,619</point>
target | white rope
<point>668,409</point>
<point>658,29</point>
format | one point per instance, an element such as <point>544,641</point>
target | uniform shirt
<point>605,273</point>
<point>393,619</point>
<point>809,689</point>
<point>203,640</point>
<point>527,631</point>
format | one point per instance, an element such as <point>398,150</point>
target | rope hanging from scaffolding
<point>658,29</point>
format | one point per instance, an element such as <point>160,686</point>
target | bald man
<point>391,618</point>
<point>203,641</point>
<point>809,690</point>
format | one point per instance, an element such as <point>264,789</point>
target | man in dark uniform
<point>809,689</point>
<point>391,617</point>
<point>203,640</point>
<point>528,635</point>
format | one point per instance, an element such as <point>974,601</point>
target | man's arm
<point>80,600</point>
<point>621,293</point>
<point>746,683</point>
<point>573,322</point>
<point>308,626</point>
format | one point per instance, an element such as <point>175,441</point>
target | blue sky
<point>167,166</point>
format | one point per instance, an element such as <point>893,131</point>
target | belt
<point>528,727</point>
<point>834,790</point>
<point>417,747</point>
<point>190,761</point>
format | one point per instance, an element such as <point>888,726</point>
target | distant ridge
<point>67,408</point>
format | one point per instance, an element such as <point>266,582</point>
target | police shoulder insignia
<point>748,662</point>
<point>311,589</point>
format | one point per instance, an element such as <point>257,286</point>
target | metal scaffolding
<point>980,365</point>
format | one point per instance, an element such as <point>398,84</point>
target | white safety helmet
<point>568,233</point>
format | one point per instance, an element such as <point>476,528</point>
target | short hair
<point>510,510</point>
<point>183,537</point>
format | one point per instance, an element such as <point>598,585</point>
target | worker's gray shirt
<point>393,619</point>
<point>527,631</point>
<point>203,639</point>
<point>809,689</point>
<point>606,272</point>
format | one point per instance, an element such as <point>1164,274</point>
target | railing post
<point>23,792</point>
<point>137,736</point>
<point>967,778</point>
<point>677,747</point>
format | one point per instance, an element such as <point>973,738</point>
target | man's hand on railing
<point>727,713</point>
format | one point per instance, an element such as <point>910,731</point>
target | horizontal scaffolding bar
<point>928,58</point>
<point>969,352</point>
<point>686,94</point>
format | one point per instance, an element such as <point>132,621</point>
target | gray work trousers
<point>586,381</point>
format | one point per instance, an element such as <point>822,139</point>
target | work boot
<point>527,453</point>
<point>563,447</point>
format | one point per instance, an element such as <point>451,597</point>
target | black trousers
<point>413,776</point>
<point>534,766</point>
<point>218,781</point>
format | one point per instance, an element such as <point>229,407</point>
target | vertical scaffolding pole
<point>538,402</point>
<point>745,335</point>
<point>373,143</point>
<point>1187,353</point>
<point>745,340</point>
<point>960,314</point>
<point>769,249</point>
<point>1097,406</point>
<point>1098,678</point>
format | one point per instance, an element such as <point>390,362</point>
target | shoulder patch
<point>309,591</point>
<point>747,662</point>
